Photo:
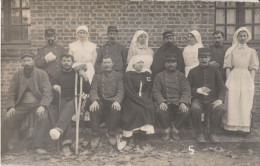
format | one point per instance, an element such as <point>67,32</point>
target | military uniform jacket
<point>50,67</point>
<point>171,87</point>
<point>107,86</point>
<point>209,77</point>
<point>38,83</point>
<point>118,54</point>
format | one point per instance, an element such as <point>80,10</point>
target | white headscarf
<point>136,35</point>
<point>84,28</point>
<point>135,59</point>
<point>235,39</point>
<point>197,36</point>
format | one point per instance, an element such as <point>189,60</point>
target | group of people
<point>135,90</point>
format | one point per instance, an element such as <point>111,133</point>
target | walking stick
<point>59,117</point>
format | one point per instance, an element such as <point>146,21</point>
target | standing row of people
<point>178,83</point>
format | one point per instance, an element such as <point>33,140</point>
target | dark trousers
<point>105,114</point>
<point>214,115</point>
<point>171,115</point>
<point>40,129</point>
<point>64,121</point>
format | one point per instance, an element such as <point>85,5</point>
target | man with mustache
<point>171,91</point>
<point>167,47</point>
<point>218,53</point>
<point>208,94</point>
<point>49,57</point>
<point>64,84</point>
<point>30,93</point>
<point>106,95</point>
<point>112,48</point>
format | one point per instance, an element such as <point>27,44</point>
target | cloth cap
<point>204,52</point>
<point>27,55</point>
<point>167,34</point>
<point>170,56</point>
<point>49,31</point>
<point>112,28</point>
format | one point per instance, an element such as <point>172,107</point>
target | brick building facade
<point>152,16</point>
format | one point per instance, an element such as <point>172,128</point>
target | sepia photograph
<point>130,82</point>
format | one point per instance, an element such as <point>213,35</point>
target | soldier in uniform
<point>49,57</point>
<point>116,51</point>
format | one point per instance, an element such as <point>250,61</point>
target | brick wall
<point>153,17</point>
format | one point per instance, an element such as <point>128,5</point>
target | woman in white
<point>139,47</point>
<point>240,62</point>
<point>190,52</point>
<point>84,51</point>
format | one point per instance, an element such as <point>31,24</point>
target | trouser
<point>214,115</point>
<point>107,114</point>
<point>64,121</point>
<point>171,116</point>
<point>40,129</point>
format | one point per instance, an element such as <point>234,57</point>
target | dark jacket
<point>107,86</point>
<point>209,77</point>
<point>39,85</point>
<point>171,87</point>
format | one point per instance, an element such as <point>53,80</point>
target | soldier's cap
<point>112,28</point>
<point>49,31</point>
<point>167,34</point>
<point>27,55</point>
<point>204,52</point>
<point>170,56</point>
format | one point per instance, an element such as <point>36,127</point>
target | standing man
<point>167,47</point>
<point>49,57</point>
<point>106,95</point>
<point>171,91</point>
<point>30,92</point>
<point>116,51</point>
<point>63,83</point>
<point>218,53</point>
<point>208,94</point>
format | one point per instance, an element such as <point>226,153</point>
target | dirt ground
<point>233,149</point>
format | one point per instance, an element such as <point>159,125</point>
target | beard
<point>217,44</point>
<point>28,70</point>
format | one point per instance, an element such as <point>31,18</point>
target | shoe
<point>112,140</point>
<point>214,138</point>
<point>120,142</point>
<point>94,142</point>
<point>200,138</point>
<point>176,137</point>
<point>66,151</point>
<point>166,137</point>
<point>55,134</point>
<point>40,151</point>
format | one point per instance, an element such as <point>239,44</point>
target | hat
<point>167,34</point>
<point>202,52</point>
<point>82,27</point>
<point>27,55</point>
<point>49,31</point>
<point>112,28</point>
<point>170,56</point>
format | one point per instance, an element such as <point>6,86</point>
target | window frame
<point>8,26</point>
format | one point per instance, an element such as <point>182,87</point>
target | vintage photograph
<point>130,82</point>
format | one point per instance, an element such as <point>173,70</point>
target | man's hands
<point>203,90</point>
<point>50,57</point>
<point>94,106</point>
<point>57,88</point>
<point>83,75</point>
<point>217,103</point>
<point>40,110</point>
<point>183,107</point>
<point>116,106</point>
<point>10,112</point>
<point>214,63</point>
<point>163,106</point>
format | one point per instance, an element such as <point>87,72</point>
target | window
<point>232,15</point>
<point>15,21</point>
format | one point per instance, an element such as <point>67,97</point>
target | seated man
<point>29,91</point>
<point>208,94</point>
<point>63,83</point>
<point>107,92</point>
<point>171,91</point>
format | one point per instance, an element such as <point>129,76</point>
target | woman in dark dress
<point>138,111</point>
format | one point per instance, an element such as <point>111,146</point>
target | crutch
<point>59,107</point>
<point>78,98</point>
